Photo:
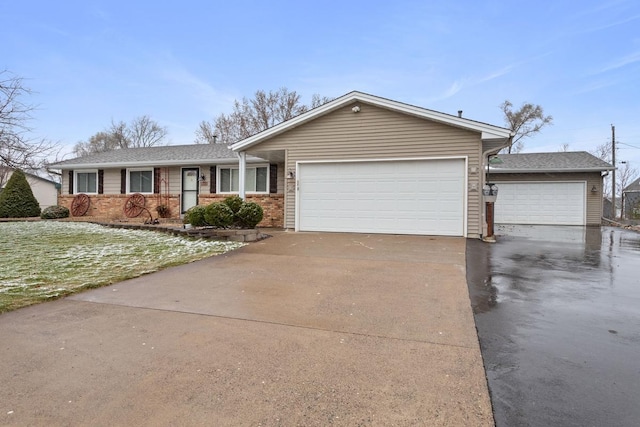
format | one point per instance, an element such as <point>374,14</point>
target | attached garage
<point>402,197</point>
<point>367,164</point>
<point>562,188</point>
<point>547,203</point>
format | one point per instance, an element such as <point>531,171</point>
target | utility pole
<point>613,172</point>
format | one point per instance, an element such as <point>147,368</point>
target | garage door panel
<point>407,197</point>
<point>551,203</point>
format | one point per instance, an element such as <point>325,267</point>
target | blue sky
<point>89,61</point>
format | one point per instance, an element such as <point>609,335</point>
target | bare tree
<point>603,152</point>
<point>525,122</point>
<point>141,132</point>
<point>624,176</point>
<point>98,143</point>
<point>206,133</point>
<point>250,116</point>
<point>17,149</point>
<point>144,132</point>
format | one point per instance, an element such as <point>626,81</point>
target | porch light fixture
<point>594,189</point>
<point>291,174</point>
<point>203,178</point>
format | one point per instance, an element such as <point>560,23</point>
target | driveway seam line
<point>279,324</point>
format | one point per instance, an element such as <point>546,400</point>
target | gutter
<point>503,170</point>
<point>150,163</point>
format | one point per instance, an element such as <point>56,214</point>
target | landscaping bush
<point>17,199</point>
<point>219,214</point>
<point>234,203</point>
<point>195,216</point>
<point>54,212</point>
<point>163,211</point>
<point>250,214</point>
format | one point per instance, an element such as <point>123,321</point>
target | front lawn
<point>45,259</point>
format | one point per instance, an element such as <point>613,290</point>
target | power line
<point>628,145</point>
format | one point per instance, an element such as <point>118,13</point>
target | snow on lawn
<point>47,259</point>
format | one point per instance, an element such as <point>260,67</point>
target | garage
<point>547,203</point>
<point>398,197</point>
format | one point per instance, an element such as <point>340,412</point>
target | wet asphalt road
<point>558,316</point>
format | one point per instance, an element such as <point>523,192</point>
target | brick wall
<point>111,206</point>
<point>272,204</point>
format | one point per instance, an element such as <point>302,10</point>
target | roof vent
<point>459,113</point>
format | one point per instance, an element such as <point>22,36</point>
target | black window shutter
<point>100,181</point>
<point>273,178</point>
<point>71,182</point>
<point>123,181</point>
<point>156,180</point>
<point>212,179</point>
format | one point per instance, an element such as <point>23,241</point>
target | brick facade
<point>111,206</point>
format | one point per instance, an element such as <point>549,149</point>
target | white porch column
<point>242,172</point>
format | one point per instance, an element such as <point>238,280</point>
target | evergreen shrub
<point>17,199</point>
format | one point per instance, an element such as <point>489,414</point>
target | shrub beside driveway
<point>42,260</point>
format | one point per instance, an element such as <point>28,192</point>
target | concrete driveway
<point>558,316</point>
<point>299,329</point>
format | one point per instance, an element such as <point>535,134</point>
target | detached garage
<point>548,188</point>
<point>366,164</point>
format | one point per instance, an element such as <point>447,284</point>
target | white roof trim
<point>489,132</point>
<point>548,170</point>
<point>155,163</point>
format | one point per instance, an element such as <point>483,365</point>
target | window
<point>140,181</point>
<point>86,182</point>
<point>256,181</point>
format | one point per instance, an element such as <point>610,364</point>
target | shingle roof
<point>634,186</point>
<point>166,155</point>
<point>576,161</point>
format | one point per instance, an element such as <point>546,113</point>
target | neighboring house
<point>359,163</point>
<point>631,196</point>
<point>44,190</point>
<point>177,176</point>
<point>607,211</point>
<point>562,188</point>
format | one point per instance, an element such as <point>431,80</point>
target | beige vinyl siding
<point>377,133</point>
<point>593,200</point>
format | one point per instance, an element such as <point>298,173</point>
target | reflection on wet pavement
<point>558,317</point>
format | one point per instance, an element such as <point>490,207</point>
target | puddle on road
<point>545,301</point>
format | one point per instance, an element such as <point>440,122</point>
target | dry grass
<point>44,260</point>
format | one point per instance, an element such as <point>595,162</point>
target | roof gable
<point>488,132</point>
<point>634,186</point>
<point>576,161</point>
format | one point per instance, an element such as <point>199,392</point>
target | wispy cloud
<point>620,62</point>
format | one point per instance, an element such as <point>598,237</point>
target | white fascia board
<point>595,169</point>
<point>150,163</point>
<point>489,132</point>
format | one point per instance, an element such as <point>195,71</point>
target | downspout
<point>242,171</point>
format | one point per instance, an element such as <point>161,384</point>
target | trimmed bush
<point>195,216</point>
<point>17,199</point>
<point>234,203</point>
<point>250,214</point>
<point>54,212</point>
<point>219,214</point>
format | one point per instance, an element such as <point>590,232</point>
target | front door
<point>189,188</point>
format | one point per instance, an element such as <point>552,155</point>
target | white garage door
<point>550,203</point>
<point>397,197</point>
